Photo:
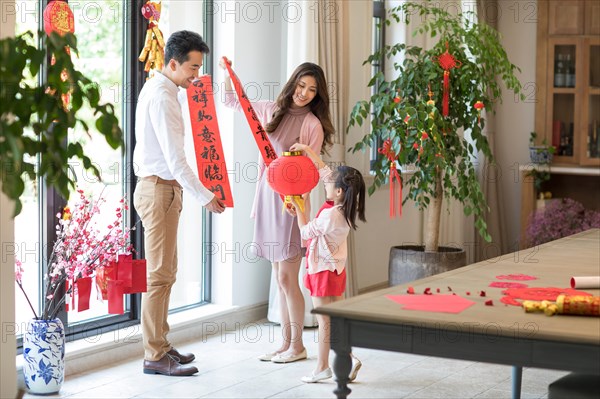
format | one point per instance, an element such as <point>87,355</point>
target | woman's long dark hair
<point>352,184</point>
<point>319,106</point>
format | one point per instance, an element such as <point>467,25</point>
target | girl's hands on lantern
<point>291,208</point>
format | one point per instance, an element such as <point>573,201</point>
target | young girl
<point>327,249</point>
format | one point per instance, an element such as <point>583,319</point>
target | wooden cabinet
<point>568,80</point>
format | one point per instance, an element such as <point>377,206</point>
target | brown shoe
<point>168,366</point>
<point>182,358</point>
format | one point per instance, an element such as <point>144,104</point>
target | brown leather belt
<point>158,180</point>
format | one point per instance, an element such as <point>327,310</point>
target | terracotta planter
<point>411,262</point>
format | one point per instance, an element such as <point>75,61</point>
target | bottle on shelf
<point>569,71</point>
<point>559,72</point>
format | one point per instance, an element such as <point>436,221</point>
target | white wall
<point>8,344</point>
<point>242,32</point>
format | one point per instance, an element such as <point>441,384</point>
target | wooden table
<point>499,334</point>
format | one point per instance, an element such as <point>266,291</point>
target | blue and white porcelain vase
<point>44,356</point>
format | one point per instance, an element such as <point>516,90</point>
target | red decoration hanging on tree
<point>479,106</point>
<point>447,61</point>
<point>388,152</point>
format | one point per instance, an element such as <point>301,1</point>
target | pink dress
<point>276,234</point>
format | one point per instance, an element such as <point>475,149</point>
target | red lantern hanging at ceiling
<point>292,175</point>
<point>58,17</point>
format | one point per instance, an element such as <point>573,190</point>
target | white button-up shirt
<point>159,134</point>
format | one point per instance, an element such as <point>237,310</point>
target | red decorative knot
<point>387,151</point>
<point>478,105</point>
<point>447,61</point>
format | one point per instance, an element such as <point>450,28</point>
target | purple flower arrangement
<point>560,218</point>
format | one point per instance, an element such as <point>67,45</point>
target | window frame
<point>50,201</point>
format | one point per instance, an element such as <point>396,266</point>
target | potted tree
<point>428,116</point>
<point>35,118</point>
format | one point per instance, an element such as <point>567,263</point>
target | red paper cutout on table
<point>260,135</point>
<point>509,300</point>
<point>410,290</point>
<point>210,159</point>
<point>537,294</point>
<point>481,293</point>
<point>504,284</point>
<point>432,303</point>
<point>516,277</point>
<point>489,302</point>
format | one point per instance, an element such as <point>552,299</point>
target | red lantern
<point>292,175</point>
<point>58,17</point>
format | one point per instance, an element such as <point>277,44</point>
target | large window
<point>110,35</point>
<point>27,223</point>
<point>378,43</point>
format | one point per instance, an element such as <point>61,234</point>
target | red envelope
<point>138,277</point>
<point>115,297</point>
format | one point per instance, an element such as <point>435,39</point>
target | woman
<point>299,115</point>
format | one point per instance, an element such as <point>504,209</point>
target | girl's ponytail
<point>352,183</point>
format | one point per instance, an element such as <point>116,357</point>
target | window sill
<point>106,348</point>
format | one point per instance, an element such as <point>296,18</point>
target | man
<point>162,170</point>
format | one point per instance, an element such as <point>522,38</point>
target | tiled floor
<point>229,369</point>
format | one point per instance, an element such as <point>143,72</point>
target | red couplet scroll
<point>207,140</point>
<point>260,135</point>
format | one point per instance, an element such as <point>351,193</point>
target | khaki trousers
<point>159,207</point>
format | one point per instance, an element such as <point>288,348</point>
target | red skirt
<point>326,283</point>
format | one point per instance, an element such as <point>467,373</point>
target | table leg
<point>517,374</point>
<point>342,363</point>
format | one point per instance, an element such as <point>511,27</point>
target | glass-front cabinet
<point>568,95</point>
<point>591,114</point>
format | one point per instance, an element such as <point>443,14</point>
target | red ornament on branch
<point>447,61</point>
<point>390,154</point>
<point>479,106</point>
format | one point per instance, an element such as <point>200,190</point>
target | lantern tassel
<point>395,176</point>
<point>446,96</point>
